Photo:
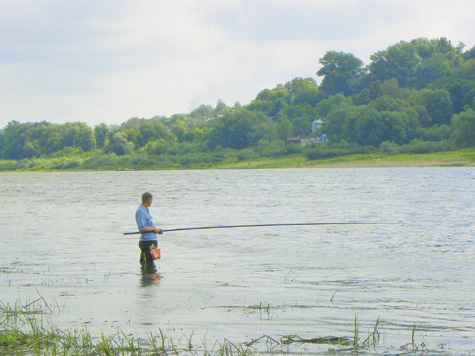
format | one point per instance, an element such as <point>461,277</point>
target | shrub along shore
<point>235,160</point>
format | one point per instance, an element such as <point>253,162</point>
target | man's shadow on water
<point>150,275</point>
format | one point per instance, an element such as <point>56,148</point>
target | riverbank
<point>459,158</point>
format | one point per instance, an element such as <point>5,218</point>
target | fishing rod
<point>254,225</point>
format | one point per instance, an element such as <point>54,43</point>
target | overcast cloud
<point>106,61</point>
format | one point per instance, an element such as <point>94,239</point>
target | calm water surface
<point>61,238</point>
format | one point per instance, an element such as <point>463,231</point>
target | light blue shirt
<point>143,219</point>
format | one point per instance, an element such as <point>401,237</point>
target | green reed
<point>355,331</point>
<point>23,331</point>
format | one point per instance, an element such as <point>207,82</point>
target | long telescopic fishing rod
<point>254,225</point>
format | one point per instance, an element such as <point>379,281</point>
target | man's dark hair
<point>146,196</point>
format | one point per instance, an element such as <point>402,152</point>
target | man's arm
<point>152,229</point>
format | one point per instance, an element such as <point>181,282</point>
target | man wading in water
<point>148,236</point>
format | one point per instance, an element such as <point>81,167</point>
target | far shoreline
<point>460,158</point>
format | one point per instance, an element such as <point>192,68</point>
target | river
<point>410,268</point>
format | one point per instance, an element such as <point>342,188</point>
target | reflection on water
<point>150,276</point>
<point>414,276</point>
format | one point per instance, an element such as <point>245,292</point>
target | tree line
<point>415,96</point>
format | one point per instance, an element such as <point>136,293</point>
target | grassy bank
<point>460,158</point>
<point>24,331</point>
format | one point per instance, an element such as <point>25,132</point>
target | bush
<point>324,152</point>
<point>246,154</point>
<point>267,148</point>
<point>186,147</point>
<point>108,160</point>
<point>24,164</point>
<point>420,146</point>
<point>194,158</point>
<point>464,128</point>
<point>294,148</point>
<point>218,157</point>
<point>329,150</point>
<point>67,152</point>
<point>7,165</point>
<point>390,148</point>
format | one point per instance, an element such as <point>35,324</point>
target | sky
<point>106,61</point>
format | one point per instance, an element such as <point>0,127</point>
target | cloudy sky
<point>106,61</point>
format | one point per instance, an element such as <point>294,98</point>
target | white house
<point>317,125</point>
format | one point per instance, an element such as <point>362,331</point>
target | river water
<point>410,269</point>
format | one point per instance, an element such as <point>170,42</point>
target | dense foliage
<point>415,96</point>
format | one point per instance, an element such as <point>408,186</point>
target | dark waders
<point>146,259</point>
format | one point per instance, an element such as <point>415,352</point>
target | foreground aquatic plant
<point>230,349</point>
<point>355,333</point>
<point>373,337</point>
<point>263,309</point>
<point>23,332</point>
<point>332,340</point>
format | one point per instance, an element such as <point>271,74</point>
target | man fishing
<point>148,231</point>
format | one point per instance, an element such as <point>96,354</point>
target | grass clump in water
<point>23,332</point>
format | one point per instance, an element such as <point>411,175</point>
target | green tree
<point>131,135</point>
<point>51,139</point>
<point>150,130</point>
<point>100,132</point>
<point>157,147</point>
<point>461,93</point>
<point>132,123</point>
<point>284,129</point>
<point>416,63</point>
<point>398,126</point>
<point>375,90</point>
<point>327,105</point>
<point>262,130</point>
<point>71,135</point>
<point>119,145</point>
<point>303,91</point>
<point>301,117</point>
<point>391,88</point>
<point>202,112</point>
<point>233,129</point>
<point>386,103</point>
<point>370,128</point>
<point>220,108</point>
<point>179,129</point>
<point>469,54</point>
<point>431,69</point>
<point>464,128</point>
<point>30,149</point>
<point>2,142</point>
<point>78,134</point>
<point>272,101</point>
<point>336,122</point>
<point>437,103</point>
<point>467,70</point>
<point>86,139</point>
<point>399,61</point>
<point>341,73</point>
<point>28,140</point>
<point>363,98</point>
